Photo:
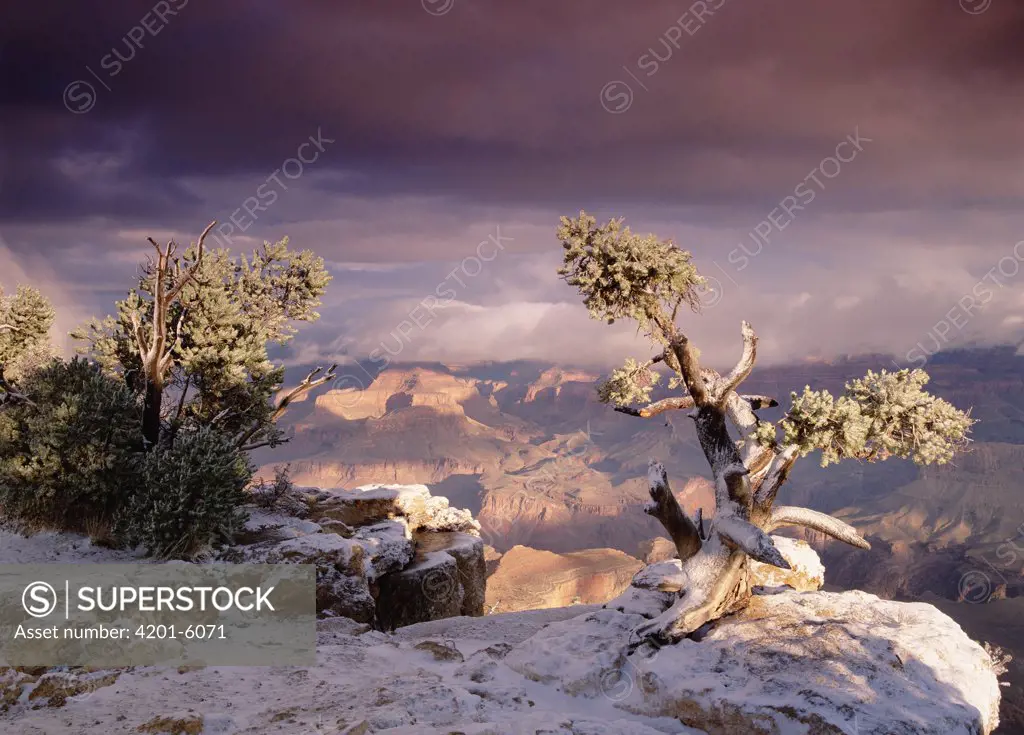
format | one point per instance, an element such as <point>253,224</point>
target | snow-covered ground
<point>49,547</point>
<point>367,683</point>
<point>792,662</point>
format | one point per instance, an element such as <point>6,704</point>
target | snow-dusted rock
<point>342,585</point>
<point>428,589</point>
<point>806,573</point>
<point>468,552</point>
<point>576,656</point>
<point>657,549</point>
<point>809,663</point>
<point>386,548</point>
<point>270,526</point>
<point>345,567</point>
<point>813,662</point>
<point>371,503</point>
<point>363,544</point>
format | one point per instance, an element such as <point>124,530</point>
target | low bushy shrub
<point>188,496</point>
<point>68,455</point>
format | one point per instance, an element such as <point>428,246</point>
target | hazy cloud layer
<point>414,137</point>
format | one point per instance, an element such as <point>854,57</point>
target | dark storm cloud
<point>500,101</point>
<point>445,126</point>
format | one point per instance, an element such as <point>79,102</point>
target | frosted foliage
<point>624,275</point>
<point>880,415</point>
<point>766,434</point>
<point>631,383</point>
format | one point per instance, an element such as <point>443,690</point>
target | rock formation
<point>388,555</point>
<point>812,663</point>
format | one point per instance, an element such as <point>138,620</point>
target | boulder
<point>807,573</point>
<point>468,552</point>
<point>427,589</point>
<point>346,568</point>
<point>342,587</point>
<point>811,662</point>
<point>362,544</point>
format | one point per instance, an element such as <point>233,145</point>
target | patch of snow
<point>387,548</point>
<point>50,547</point>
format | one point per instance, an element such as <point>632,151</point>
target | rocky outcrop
<point>470,561</point>
<point>388,555</point>
<point>806,572</point>
<point>811,663</point>
<point>555,379</point>
<point>815,662</point>
<point>657,550</point>
<point>447,578</point>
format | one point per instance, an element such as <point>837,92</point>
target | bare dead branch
<point>777,475</point>
<point>140,340</point>
<point>9,328</point>
<point>168,357</point>
<point>9,395</point>
<point>653,409</point>
<point>689,365</point>
<point>664,506</point>
<point>267,443</point>
<point>732,486</point>
<point>759,402</point>
<point>757,544</point>
<point>743,367</point>
<point>743,418</point>
<point>787,515</point>
<point>308,383</point>
<point>190,273</point>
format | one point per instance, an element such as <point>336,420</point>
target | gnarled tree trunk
<point>714,578</point>
<point>156,347</point>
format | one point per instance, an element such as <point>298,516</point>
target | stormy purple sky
<point>439,124</point>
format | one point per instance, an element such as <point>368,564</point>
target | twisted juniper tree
<point>622,275</point>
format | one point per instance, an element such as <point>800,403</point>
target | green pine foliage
<point>67,457</point>
<point>25,321</point>
<point>629,384</point>
<point>880,415</point>
<point>622,275</point>
<point>189,496</point>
